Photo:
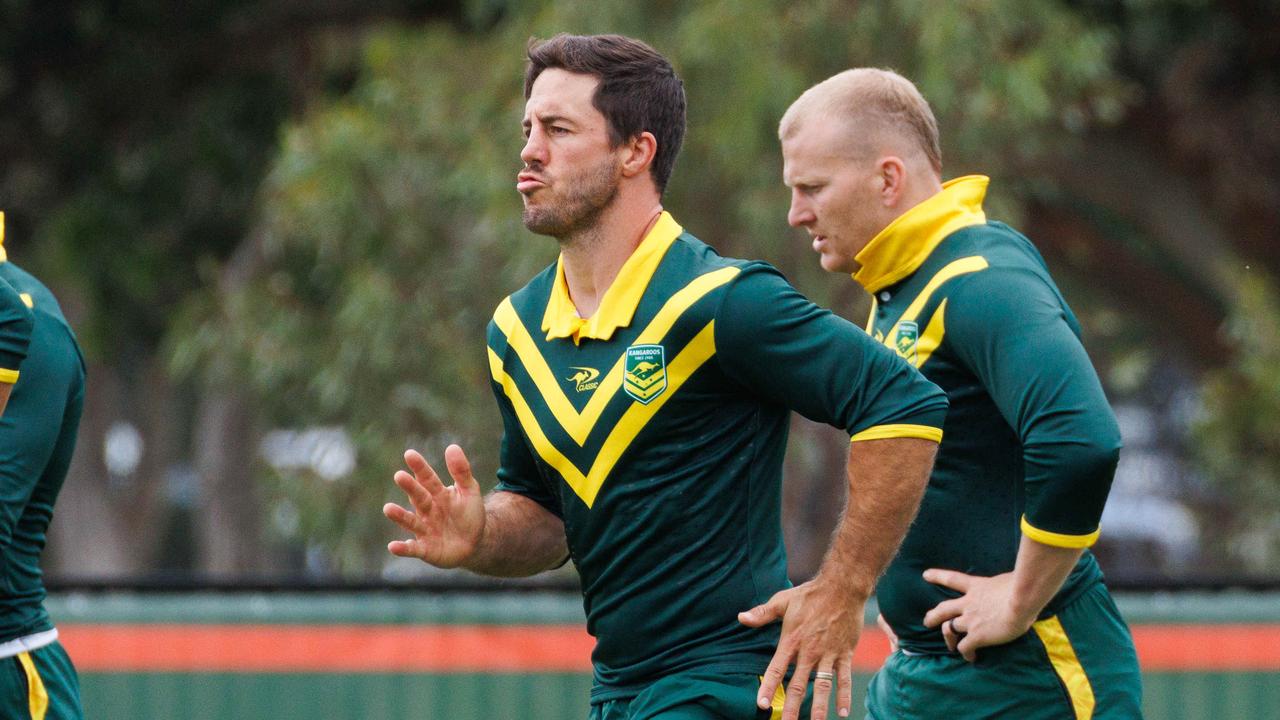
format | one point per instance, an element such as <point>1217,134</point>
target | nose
<point>535,148</point>
<point>800,213</point>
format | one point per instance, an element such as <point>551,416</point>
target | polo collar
<point>619,303</point>
<point>903,246</point>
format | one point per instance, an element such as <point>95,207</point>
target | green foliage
<point>1239,444</point>
<point>389,226</point>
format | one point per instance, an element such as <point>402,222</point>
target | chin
<point>830,264</point>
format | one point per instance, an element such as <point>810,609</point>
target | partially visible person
<point>998,608</point>
<point>15,332</point>
<point>646,385</point>
<point>37,437</point>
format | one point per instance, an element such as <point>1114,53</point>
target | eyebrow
<point>548,120</point>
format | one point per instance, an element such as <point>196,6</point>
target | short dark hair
<point>639,90</point>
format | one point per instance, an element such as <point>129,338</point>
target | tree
<point>388,227</point>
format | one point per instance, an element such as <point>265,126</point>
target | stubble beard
<point>578,213</point>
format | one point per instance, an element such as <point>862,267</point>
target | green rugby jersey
<point>37,436</point>
<point>15,324</point>
<point>656,428</point>
<point>1031,443</point>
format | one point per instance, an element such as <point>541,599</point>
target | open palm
<point>446,521</point>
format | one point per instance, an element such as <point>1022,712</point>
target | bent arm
<point>1022,342</point>
<point>1038,574</point>
<point>887,479</point>
<point>520,538</point>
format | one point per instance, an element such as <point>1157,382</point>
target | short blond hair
<point>877,102</point>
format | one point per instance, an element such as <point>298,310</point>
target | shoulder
<point>1003,300</point>
<point>693,275</point>
<point>27,284</point>
<point>528,301</point>
<point>991,263</point>
<point>692,256</point>
<point>1000,245</point>
<point>35,295</point>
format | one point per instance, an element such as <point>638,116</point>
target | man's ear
<point>639,153</point>
<point>893,180</point>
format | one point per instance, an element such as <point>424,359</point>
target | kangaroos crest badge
<point>645,372</point>
<point>905,343</point>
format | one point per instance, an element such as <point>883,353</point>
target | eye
<point>557,130</point>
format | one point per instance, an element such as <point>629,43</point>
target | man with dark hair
<point>645,385</point>
<point>37,437</point>
<point>996,605</point>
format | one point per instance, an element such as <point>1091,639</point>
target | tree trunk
<point>228,518</point>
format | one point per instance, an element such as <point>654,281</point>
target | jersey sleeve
<point>791,352</point>
<point>1012,330</point>
<point>15,332</point>
<point>518,470</point>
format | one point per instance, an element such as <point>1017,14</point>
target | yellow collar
<point>619,303</point>
<point>903,246</point>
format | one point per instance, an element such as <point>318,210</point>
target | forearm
<point>5,389</point>
<point>520,538</point>
<point>1038,574</point>
<point>887,479</point>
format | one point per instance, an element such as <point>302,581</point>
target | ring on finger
<point>824,675</point>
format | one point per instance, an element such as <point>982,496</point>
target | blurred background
<point>279,228</point>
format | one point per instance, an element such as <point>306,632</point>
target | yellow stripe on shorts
<point>37,696</point>
<point>1067,665</point>
<point>779,697</point>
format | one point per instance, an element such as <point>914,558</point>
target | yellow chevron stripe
<point>963,266</point>
<point>1067,665</point>
<point>580,425</point>
<point>692,357</point>
<point>932,336</point>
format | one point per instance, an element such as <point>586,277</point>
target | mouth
<point>526,183</point>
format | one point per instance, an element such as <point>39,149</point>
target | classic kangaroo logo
<point>584,378</point>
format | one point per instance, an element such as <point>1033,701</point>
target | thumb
<point>761,615</point>
<point>460,470</point>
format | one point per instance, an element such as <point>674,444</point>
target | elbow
<point>1094,460</point>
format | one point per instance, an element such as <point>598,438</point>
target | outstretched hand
<point>820,627</point>
<point>446,522</point>
<point>982,616</point>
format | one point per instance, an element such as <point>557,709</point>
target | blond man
<point>996,605</point>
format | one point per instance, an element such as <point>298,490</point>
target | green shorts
<point>1076,665</point>
<point>40,685</point>
<point>697,696</point>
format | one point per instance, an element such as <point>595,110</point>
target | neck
<point>594,256</point>
<point>917,193</point>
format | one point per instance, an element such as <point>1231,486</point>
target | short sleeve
<point>790,352</point>
<point>1012,330</point>
<point>16,323</point>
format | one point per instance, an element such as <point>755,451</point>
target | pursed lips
<point>528,182</point>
